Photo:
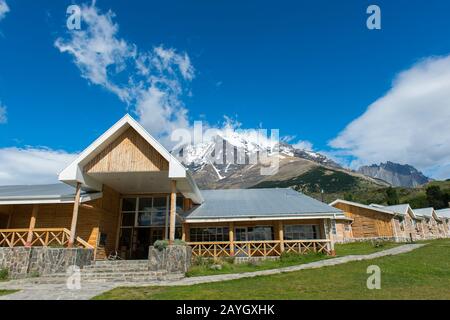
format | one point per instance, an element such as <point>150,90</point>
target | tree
<point>348,196</point>
<point>436,198</point>
<point>392,196</point>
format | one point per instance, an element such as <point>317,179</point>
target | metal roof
<point>398,208</point>
<point>427,212</point>
<point>445,213</point>
<point>46,193</point>
<point>258,203</point>
<point>373,207</point>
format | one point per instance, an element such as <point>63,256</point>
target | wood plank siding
<point>368,223</point>
<point>128,153</point>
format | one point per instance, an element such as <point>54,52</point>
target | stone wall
<point>22,262</point>
<point>173,259</point>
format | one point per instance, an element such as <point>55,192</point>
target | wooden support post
<point>76,205</point>
<point>34,214</point>
<point>173,208</point>
<point>231,238</point>
<point>185,232</point>
<point>281,235</point>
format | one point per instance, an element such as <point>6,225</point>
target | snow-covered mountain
<point>236,159</point>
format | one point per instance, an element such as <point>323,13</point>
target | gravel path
<point>90,290</point>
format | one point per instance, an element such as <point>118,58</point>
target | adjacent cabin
<point>126,191</point>
<point>408,226</point>
<point>432,224</point>
<point>368,222</point>
<point>444,215</point>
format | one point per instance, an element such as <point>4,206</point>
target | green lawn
<point>421,274</point>
<point>203,266</point>
<point>362,248</point>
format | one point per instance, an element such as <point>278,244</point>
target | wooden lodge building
<point>126,191</point>
<point>397,222</point>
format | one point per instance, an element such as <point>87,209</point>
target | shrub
<point>163,244</point>
<point>4,274</point>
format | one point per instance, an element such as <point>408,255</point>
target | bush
<point>163,244</point>
<point>4,274</point>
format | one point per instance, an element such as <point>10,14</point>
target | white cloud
<point>32,165</point>
<point>4,9</point>
<point>150,82</point>
<point>409,124</point>
<point>303,145</point>
<point>3,115</point>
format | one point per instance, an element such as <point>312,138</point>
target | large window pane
<point>129,204</point>
<point>145,204</point>
<point>209,234</point>
<point>300,232</point>
<point>144,219</point>
<point>128,219</point>
<point>160,202</point>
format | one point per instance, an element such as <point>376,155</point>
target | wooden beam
<point>173,208</point>
<point>183,231</point>
<point>231,238</point>
<point>76,205</point>
<point>34,214</point>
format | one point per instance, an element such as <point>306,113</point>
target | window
<point>260,234</point>
<point>144,212</point>
<point>129,204</point>
<point>300,232</point>
<point>209,234</point>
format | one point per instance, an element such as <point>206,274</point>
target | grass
<point>4,274</point>
<point>5,292</point>
<point>421,274</point>
<point>362,248</point>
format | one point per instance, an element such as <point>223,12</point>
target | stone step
<point>112,277</point>
<point>119,262</point>
<point>115,268</point>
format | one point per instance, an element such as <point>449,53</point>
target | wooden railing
<point>41,237</point>
<point>258,248</point>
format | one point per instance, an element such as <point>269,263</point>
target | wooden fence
<point>41,237</point>
<point>258,248</point>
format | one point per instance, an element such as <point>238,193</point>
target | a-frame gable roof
<point>74,173</point>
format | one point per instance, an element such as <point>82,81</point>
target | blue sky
<point>308,68</point>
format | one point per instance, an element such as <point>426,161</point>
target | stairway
<point>113,271</point>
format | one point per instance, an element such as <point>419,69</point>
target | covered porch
<point>259,238</point>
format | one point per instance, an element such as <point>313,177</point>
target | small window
<point>333,227</point>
